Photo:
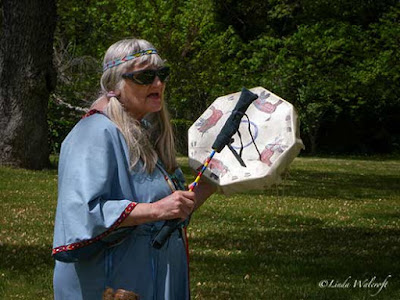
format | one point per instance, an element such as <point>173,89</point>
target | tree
<point>335,60</point>
<point>27,77</point>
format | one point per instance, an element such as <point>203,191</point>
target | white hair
<point>146,144</point>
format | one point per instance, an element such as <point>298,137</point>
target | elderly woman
<point>118,183</point>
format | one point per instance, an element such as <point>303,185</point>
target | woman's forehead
<point>142,65</point>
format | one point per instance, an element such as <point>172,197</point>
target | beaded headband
<point>134,55</point>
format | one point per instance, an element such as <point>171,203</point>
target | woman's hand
<point>178,205</point>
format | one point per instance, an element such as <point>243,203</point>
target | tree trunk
<point>26,78</point>
<point>313,134</point>
<point>313,144</point>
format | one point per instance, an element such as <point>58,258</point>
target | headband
<point>134,55</point>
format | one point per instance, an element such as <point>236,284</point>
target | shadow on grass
<point>26,272</point>
<point>297,260</point>
<point>314,184</point>
<point>26,260</point>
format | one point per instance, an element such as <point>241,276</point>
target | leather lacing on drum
<point>239,156</point>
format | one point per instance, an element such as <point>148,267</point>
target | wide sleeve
<point>94,190</point>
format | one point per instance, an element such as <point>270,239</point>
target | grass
<point>27,207</point>
<point>332,219</point>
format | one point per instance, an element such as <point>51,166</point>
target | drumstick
<point>203,168</point>
<point>171,225</point>
<point>230,127</point>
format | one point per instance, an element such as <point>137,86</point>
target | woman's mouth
<point>154,96</point>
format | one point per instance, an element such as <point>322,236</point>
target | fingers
<point>178,205</point>
<point>186,194</point>
<point>185,203</point>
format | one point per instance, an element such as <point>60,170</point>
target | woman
<point>118,183</point>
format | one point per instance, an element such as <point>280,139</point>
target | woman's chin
<point>155,105</point>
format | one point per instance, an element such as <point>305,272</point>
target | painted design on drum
<point>288,120</point>
<point>267,107</point>
<point>203,125</point>
<point>271,149</point>
<point>218,168</point>
<point>253,132</point>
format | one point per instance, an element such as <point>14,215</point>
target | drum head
<point>271,127</point>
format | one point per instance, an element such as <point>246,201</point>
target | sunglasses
<point>144,77</point>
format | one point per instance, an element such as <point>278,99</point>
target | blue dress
<point>96,191</point>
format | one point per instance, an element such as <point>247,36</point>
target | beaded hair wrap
<point>134,55</point>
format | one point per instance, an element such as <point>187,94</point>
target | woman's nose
<point>157,81</point>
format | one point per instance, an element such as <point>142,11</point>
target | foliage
<point>277,244</point>
<point>181,127</point>
<point>335,61</point>
<point>315,62</point>
<point>74,92</point>
<point>337,76</point>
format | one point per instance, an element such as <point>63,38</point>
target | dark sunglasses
<point>145,77</point>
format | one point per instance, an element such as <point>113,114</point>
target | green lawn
<point>333,220</point>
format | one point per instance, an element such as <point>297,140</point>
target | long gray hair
<point>145,143</point>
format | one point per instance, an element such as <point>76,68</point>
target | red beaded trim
<point>91,112</point>
<point>84,243</point>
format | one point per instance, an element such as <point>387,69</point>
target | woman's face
<point>140,100</point>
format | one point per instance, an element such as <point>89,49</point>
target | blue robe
<point>96,191</point>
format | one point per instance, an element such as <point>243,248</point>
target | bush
<point>181,127</point>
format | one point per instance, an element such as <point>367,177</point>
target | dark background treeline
<point>337,61</point>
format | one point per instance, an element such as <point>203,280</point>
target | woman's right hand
<point>178,205</point>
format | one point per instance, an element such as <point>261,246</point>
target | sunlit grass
<point>27,208</point>
<point>331,219</point>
